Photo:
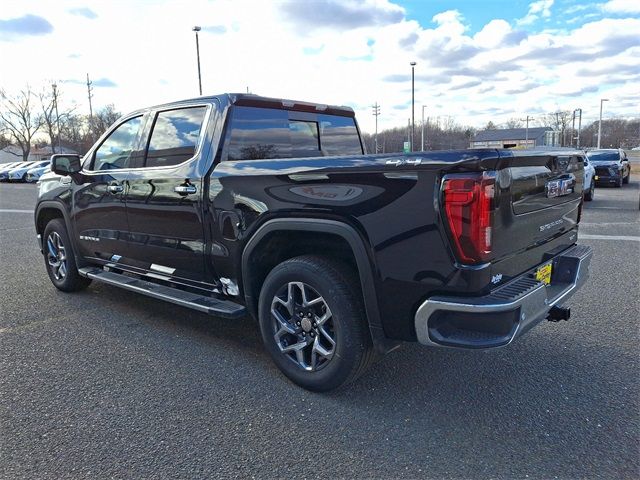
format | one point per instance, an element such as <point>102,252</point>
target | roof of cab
<point>249,99</point>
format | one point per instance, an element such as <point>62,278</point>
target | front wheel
<point>59,258</point>
<point>313,324</point>
<point>626,179</point>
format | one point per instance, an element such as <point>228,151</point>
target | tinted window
<point>174,137</point>
<point>604,157</point>
<point>262,133</point>
<point>257,133</point>
<point>304,138</point>
<point>116,149</point>
<point>339,136</point>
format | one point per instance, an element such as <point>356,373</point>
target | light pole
<point>413,117</point>
<point>422,142</point>
<point>602,100</point>
<point>197,29</point>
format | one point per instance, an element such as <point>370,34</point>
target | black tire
<point>592,190</point>
<point>338,288</point>
<point>61,263</point>
<point>626,179</point>
<point>619,183</point>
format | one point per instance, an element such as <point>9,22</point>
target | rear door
<point>164,196</point>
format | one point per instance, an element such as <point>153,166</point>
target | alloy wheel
<point>56,256</point>
<point>303,327</point>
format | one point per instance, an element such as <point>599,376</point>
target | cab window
<point>116,149</point>
<point>174,137</point>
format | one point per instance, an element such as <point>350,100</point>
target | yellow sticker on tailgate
<point>543,274</point>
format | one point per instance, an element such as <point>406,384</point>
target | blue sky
<point>476,60</point>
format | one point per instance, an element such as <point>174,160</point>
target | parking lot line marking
<point>608,237</point>
<point>10,210</point>
<point>599,224</point>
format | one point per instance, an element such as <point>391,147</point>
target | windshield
<point>604,157</point>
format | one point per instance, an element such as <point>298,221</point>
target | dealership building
<point>516,138</point>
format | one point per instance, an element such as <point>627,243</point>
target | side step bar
<point>212,306</point>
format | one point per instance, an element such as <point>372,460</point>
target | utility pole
<point>602,100</point>
<point>90,95</point>
<point>422,142</point>
<point>55,103</point>
<point>376,112</point>
<point>413,116</point>
<point>579,126</point>
<point>526,133</point>
<point>573,126</point>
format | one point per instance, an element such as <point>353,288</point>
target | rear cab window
<point>262,133</point>
<point>174,136</point>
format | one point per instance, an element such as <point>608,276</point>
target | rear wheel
<point>312,322</point>
<point>592,190</point>
<point>59,258</point>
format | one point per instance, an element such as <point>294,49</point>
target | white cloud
<point>538,9</point>
<point>148,51</point>
<point>621,6</point>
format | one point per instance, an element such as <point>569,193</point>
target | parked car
<point>19,173</point>
<point>238,204</point>
<point>612,166</point>
<point>4,169</point>
<point>589,180</point>
<point>34,174</point>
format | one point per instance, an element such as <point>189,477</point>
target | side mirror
<point>65,164</point>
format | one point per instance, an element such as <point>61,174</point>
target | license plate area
<point>543,273</point>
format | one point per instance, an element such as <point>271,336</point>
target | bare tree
<point>490,126</point>
<point>52,116</point>
<point>103,119</point>
<point>513,123</point>
<point>19,119</point>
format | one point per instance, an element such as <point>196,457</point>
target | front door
<point>99,211</point>
<point>164,198</point>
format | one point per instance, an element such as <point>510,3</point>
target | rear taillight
<point>468,207</point>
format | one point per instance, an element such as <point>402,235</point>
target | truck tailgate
<point>538,202</point>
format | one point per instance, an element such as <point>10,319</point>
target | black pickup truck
<point>239,204</point>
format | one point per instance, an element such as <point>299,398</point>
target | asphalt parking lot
<point>105,383</point>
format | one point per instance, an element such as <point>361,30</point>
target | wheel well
<point>45,216</point>
<point>279,246</point>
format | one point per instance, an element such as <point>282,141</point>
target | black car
<point>612,166</point>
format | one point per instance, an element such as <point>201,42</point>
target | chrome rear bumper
<point>508,312</point>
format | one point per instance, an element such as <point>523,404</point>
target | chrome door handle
<point>115,188</point>
<point>185,189</point>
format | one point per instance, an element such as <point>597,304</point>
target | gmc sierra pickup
<point>239,204</point>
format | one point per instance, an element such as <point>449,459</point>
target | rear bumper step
<point>213,306</point>
<point>496,319</point>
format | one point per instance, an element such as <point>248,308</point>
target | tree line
<point>447,134</point>
<point>35,119</point>
<point>29,118</point>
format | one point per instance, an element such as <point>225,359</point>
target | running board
<point>212,306</point>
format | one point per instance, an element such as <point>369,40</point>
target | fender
<point>59,206</point>
<point>358,247</point>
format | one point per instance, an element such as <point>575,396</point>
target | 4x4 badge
<point>402,161</point>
